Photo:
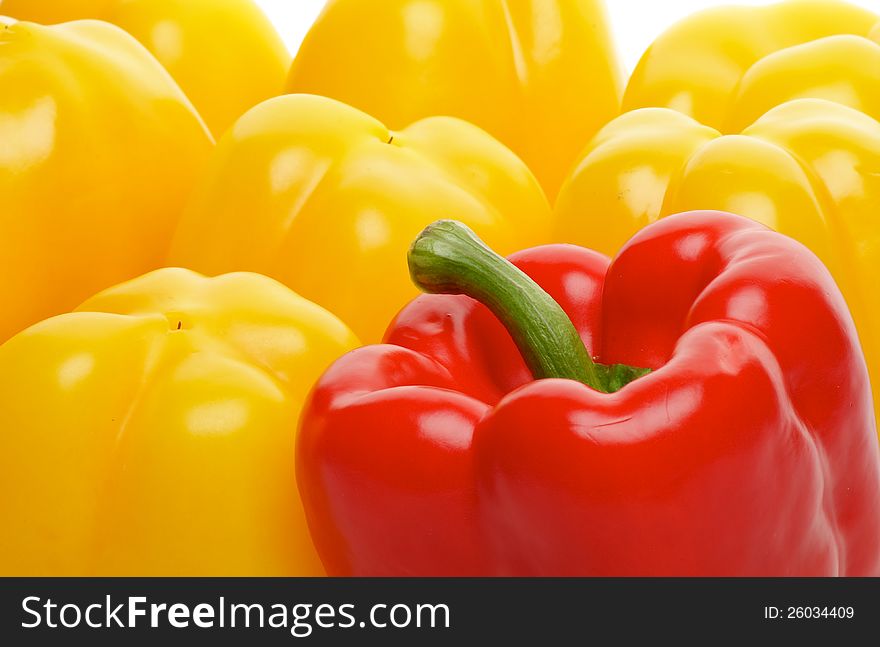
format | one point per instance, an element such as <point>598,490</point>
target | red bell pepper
<point>462,448</point>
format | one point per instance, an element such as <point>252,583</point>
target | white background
<point>635,22</point>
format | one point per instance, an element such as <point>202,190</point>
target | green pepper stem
<point>449,258</point>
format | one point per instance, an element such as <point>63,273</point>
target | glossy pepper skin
<point>326,199</point>
<point>225,55</point>
<point>540,75</point>
<point>750,449</point>
<point>727,66</point>
<point>99,151</point>
<point>150,431</point>
<point>808,168</point>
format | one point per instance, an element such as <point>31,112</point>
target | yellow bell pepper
<point>99,149</point>
<point>151,431</point>
<point>781,106</point>
<point>540,75</point>
<point>225,55</point>
<point>809,168</point>
<point>327,200</point>
<point>728,66</point>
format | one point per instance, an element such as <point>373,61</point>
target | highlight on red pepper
<point>697,406</point>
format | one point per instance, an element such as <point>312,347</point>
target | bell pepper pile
<point>649,339</point>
